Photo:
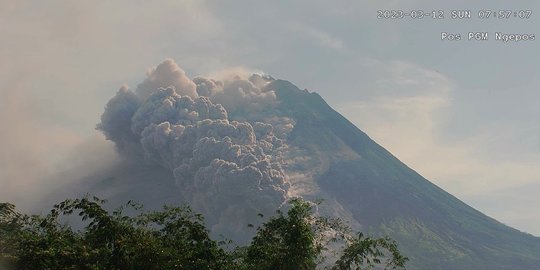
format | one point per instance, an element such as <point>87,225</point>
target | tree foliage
<point>176,238</point>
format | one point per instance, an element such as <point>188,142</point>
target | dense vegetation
<point>176,238</point>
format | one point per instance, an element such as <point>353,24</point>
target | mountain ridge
<point>437,230</point>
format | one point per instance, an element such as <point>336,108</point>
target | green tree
<point>176,238</point>
<point>296,241</point>
<point>286,241</point>
<point>10,228</point>
<point>365,252</point>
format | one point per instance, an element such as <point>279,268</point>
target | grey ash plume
<point>218,137</point>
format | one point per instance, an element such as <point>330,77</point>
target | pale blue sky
<point>464,114</point>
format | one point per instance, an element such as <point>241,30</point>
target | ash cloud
<point>222,140</point>
<point>115,121</point>
<point>166,74</point>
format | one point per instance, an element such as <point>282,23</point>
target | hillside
<point>435,229</point>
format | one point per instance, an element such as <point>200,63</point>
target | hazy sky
<point>462,113</point>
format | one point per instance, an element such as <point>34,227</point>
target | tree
<point>296,241</point>
<point>366,252</point>
<point>176,238</point>
<point>285,242</point>
<point>10,228</point>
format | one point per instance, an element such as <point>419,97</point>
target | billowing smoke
<point>116,121</point>
<point>166,74</point>
<point>221,139</point>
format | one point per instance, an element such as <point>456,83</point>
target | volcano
<point>243,146</point>
<point>376,190</point>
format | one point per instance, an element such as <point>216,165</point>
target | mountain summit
<point>243,145</point>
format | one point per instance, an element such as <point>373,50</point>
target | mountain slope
<point>433,228</point>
